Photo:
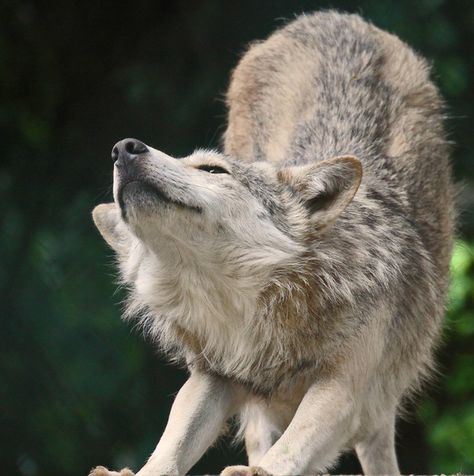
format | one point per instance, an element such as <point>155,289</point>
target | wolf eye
<point>213,169</point>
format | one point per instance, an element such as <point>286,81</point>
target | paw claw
<point>103,471</point>
<point>236,471</point>
<point>244,471</point>
<point>99,471</point>
<point>127,472</point>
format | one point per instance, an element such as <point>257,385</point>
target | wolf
<point>301,273</point>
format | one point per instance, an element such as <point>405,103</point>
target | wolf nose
<point>126,150</point>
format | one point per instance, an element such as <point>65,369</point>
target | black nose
<point>126,150</point>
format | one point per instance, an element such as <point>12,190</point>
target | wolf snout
<point>127,150</point>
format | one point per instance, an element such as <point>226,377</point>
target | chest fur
<point>263,338</point>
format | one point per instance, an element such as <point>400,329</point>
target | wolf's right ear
<point>325,187</point>
<point>107,220</point>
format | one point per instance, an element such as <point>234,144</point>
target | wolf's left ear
<point>325,187</point>
<point>107,220</point>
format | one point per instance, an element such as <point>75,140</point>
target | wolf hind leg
<point>261,433</point>
<point>376,453</point>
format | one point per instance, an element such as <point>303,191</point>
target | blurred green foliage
<point>450,422</point>
<point>79,387</point>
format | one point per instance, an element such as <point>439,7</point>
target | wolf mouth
<point>154,191</point>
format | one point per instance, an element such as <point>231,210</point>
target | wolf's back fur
<point>329,84</point>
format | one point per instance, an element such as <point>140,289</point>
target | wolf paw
<point>244,471</point>
<point>102,471</point>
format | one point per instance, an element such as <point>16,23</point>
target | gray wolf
<point>300,274</point>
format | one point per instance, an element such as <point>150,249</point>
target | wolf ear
<point>326,187</point>
<point>107,220</point>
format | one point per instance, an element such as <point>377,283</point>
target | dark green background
<point>77,386</point>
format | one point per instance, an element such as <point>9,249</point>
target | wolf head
<point>218,211</point>
<point>200,241</point>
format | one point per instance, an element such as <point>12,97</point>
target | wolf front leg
<point>197,416</point>
<point>315,436</point>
